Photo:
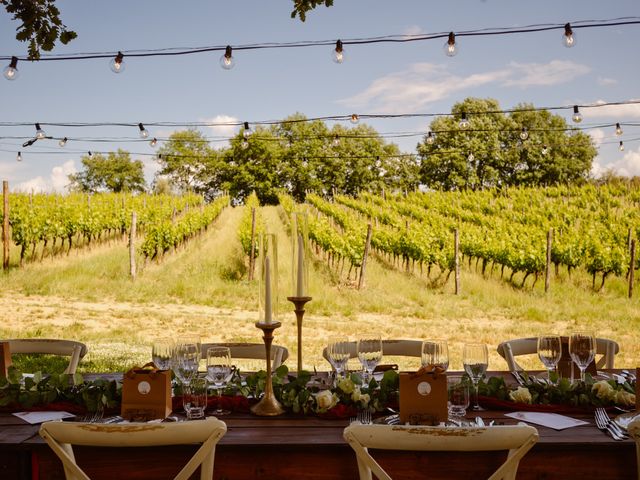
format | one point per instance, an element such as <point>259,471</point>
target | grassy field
<point>202,288</point>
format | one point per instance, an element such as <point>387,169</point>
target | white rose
<point>603,390</point>
<point>364,399</point>
<point>625,398</point>
<point>325,400</point>
<point>355,396</point>
<point>521,395</point>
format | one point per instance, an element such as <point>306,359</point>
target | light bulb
<point>577,116</point>
<point>336,141</point>
<point>143,131</point>
<point>354,118</point>
<point>545,150</point>
<point>226,60</point>
<point>63,142</point>
<point>337,54</point>
<point>618,129</point>
<point>39,132</point>
<point>247,130</point>
<point>568,39</point>
<point>153,142</point>
<point>430,138</point>
<point>464,123</point>
<point>470,157</point>
<point>19,157</point>
<point>524,134</point>
<point>10,72</point>
<point>621,147</point>
<point>245,144</point>
<point>89,153</point>
<point>117,63</point>
<point>450,47</point>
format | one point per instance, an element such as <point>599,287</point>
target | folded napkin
<point>551,420</point>
<point>39,417</point>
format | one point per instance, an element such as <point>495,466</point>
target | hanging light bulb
<point>621,147</point>
<point>63,142</point>
<point>355,118</point>
<point>159,157</point>
<point>117,63</point>
<point>545,150</point>
<point>153,142</point>
<point>618,130</point>
<point>464,123</point>
<point>430,138</point>
<point>10,72</point>
<point>337,54</point>
<point>19,157</point>
<point>247,130</point>
<point>226,60</point>
<point>577,116</point>
<point>143,131</point>
<point>39,132</point>
<point>470,157</point>
<point>336,141</point>
<point>568,38</point>
<point>245,144</point>
<point>450,47</point>
<point>524,134</point>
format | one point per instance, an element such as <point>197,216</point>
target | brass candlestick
<point>298,303</point>
<point>268,406</point>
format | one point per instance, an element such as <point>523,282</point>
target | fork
<point>364,416</point>
<point>604,423</point>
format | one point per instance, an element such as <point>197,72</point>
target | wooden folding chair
<point>517,439</point>
<point>634,431</point>
<point>61,436</point>
<point>251,351</point>
<point>396,348</point>
<point>69,348</point>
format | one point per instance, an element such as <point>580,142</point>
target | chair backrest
<point>61,436</point>
<point>528,346</point>
<point>68,348</point>
<point>634,430</point>
<point>252,351</point>
<point>517,439</point>
<point>398,348</point>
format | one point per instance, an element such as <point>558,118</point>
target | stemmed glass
<point>369,349</point>
<point>582,349</point>
<point>161,352</point>
<point>549,352</point>
<point>339,354</point>
<point>218,372</point>
<point>475,358</point>
<point>185,360</point>
<point>436,353</point>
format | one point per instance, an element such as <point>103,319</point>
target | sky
<point>268,84</point>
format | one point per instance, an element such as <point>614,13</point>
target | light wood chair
<point>398,348</point>
<point>68,348</point>
<point>61,436</point>
<point>251,351</point>
<point>634,431</point>
<point>517,439</point>
<point>510,349</point>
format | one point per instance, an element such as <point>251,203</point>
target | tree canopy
<point>115,173</point>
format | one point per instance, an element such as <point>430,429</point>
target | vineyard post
<point>5,225</point>
<point>253,243</point>
<point>629,237</point>
<point>547,270</point>
<point>632,266</point>
<point>132,246</point>
<point>367,243</point>
<point>456,258</point>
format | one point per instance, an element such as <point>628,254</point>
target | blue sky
<point>272,84</point>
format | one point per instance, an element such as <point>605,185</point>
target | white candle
<point>267,291</point>
<point>300,278</point>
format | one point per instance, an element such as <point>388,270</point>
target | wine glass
<point>161,352</point>
<point>369,348</point>
<point>582,349</point>
<point>475,358</point>
<point>339,353</point>
<point>185,360</point>
<point>549,352</point>
<point>436,353</point>
<point>218,371</point>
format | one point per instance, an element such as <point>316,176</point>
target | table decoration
<point>423,396</point>
<point>146,393</point>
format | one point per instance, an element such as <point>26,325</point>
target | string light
<point>355,118</point>
<point>430,138</point>
<point>90,154</point>
<point>464,123</point>
<point>153,142</point>
<point>618,129</point>
<point>336,141</point>
<point>470,157</point>
<point>143,131</point>
<point>63,142</point>
<point>545,150</point>
<point>524,134</point>
<point>19,157</point>
<point>226,60</point>
<point>117,64</point>
<point>621,147</point>
<point>450,47</point>
<point>245,144</point>
<point>568,38</point>
<point>10,72</point>
<point>247,130</point>
<point>39,132</point>
<point>577,116</point>
<point>337,54</point>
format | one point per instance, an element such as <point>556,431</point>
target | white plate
<point>625,419</point>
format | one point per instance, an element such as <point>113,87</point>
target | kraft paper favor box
<point>423,397</point>
<point>146,393</point>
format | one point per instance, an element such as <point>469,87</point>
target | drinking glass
<point>369,349</point>
<point>218,372</point>
<point>582,349</point>
<point>185,360</point>
<point>457,398</point>
<point>161,352</point>
<point>436,353</point>
<point>475,358</point>
<point>195,398</point>
<point>339,354</point>
<point>549,352</point>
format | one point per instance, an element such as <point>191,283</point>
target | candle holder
<point>268,406</point>
<point>299,303</point>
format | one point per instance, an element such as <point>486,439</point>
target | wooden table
<point>290,447</point>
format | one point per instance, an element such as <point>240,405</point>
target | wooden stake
<point>132,245</point>
<point>547,270</point>
<point>367,244</point>
<point>253,243</point>
<point>456,253</point>
<point>5,225</point>
<point>632,267</point>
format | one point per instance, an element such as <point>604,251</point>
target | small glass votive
<point>457,397</point>
<point>195,398</point>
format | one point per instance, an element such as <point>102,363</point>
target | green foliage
<point>244,230</point>
<point>114,173</point>
<point>301,7</point>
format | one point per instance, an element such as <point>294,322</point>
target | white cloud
<point>413,30</point>
<point>223,130</point>
<point>613,111</point>
<point>627,166</point>
<point>423,83</point>
<point>56,182</point>
<point>597,134</point>
<point>605,81</point>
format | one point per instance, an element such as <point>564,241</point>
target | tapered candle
<point>267,290</point>
<point>300,277</point>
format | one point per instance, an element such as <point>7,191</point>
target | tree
<point>301,7</point>
<point>495,151</point>
<point>116,173</point>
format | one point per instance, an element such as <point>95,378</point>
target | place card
<point>550,420</point>
<point>39,417</point>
